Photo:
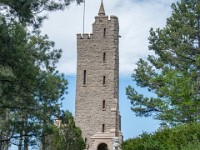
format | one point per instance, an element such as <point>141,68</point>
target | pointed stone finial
<point>101,10</point>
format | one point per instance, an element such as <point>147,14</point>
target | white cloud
<point>136,17</point>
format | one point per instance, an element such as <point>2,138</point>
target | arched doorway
<point>102,146</point>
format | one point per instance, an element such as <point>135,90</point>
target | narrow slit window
<point>104,32</point>
<point>104,104</point>
<point>104,57</point>
<point>84,77</point>
<point>104,80</point>
<point>85,140</point>
<point>103,127</point>
<point>120,122</point>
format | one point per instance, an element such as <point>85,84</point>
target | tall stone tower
<point>97,106</point>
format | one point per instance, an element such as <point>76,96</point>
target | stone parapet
<point>84,36</point>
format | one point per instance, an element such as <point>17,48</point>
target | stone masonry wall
<point>90,114</point>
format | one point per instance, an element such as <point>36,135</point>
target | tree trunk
<point>44,135</point>
<point>43,142</point>
<point>7,145</point>
<point>26,140</point>
<point>7,134</point>
<point>20,141</point>
<point>1,143</point>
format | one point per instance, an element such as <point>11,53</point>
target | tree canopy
<point>182,137</point>
<point>67,136</point>
<point>173,72</point>
<point>31,87</point>
<point>29,11</point>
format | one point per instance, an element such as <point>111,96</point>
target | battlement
<point>111,18</point>
<point>84,36</point>
<point>98,18</point>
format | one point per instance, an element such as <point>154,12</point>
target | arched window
<point>102,146</point>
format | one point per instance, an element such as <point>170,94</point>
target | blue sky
<point>136,17</point>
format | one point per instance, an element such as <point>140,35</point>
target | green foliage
<point>184,137</point>
<point>173,73</point>
<point>30,85</point>
<point>192,146</point>
<point>31,88</point>
<point>67,136</point>
<point>29,11</point>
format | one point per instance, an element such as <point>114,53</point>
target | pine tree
<point>173,73</point>
<point>31,88</point>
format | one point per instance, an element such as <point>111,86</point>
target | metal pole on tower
<point>84,18</point>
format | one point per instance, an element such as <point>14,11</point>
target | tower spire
<point>101,9</point>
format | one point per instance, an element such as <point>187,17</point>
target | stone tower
<point>97,106</point>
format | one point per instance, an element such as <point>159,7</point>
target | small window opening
<point>104,104</point>
<point>85,140</point>
<point>104,57</point>
<point>84,78</point>
<point>104,80</point>
<point>103,127</point>
<point>120,122</point>
<point>104,32</point>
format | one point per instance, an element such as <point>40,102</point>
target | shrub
<point>182,137</point>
